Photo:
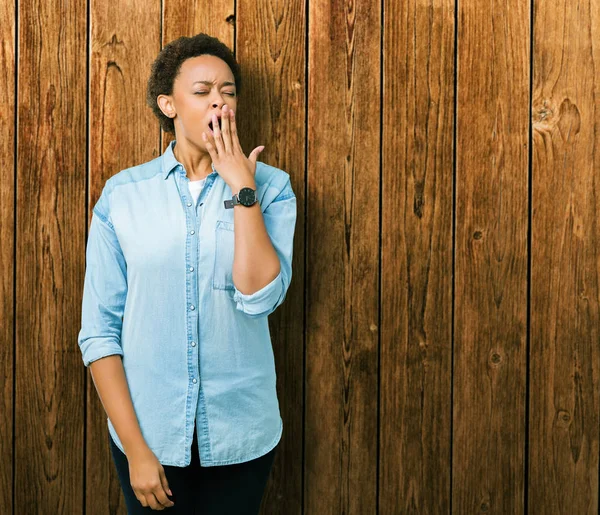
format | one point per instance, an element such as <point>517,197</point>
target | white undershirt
<point>196,188</point>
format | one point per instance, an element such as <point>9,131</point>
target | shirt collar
<point>169,161</point>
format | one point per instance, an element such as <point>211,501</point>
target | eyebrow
<point>208,83</point>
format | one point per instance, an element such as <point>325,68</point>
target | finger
<point>234,133</point>
<point>254,154</point>
<point>164,482</point>
<point>162,491</point>
<point>217,135</point>
<point>210,146</point>
<point>225,133</point>
<point>162,498</point>
<point>142,499</point>
<point>153,502</point>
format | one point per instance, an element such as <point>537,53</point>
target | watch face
<point>246,196</point>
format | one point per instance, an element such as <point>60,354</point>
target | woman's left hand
<point>227,155</point>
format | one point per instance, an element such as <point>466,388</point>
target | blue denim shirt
<point>158,291</point>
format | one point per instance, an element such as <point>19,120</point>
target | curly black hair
<point>168,62</point>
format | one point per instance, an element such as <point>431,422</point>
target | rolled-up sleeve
<point>280,222</point>
<point>104,290</point>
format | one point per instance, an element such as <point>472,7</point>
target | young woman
<point>187,255</point>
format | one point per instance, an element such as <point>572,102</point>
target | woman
<point>187,255</point>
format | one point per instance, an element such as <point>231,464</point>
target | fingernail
<point>170,493</point>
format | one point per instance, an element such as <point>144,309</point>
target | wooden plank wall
<point>7,249</point>
<point>438,348</point>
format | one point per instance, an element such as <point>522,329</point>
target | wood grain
<point>8,66</point>
<point>416,259</point>
<point>565,259</point>
<point>490,295</point>
<point>342,291</point>
<point>50,230</point>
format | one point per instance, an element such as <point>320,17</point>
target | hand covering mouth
<point>210,124</point>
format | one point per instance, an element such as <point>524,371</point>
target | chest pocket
<point>223,266</point>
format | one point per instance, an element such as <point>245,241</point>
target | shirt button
<point>192,231</point>
<point>193,344</point>
<point>194,380</point>
<point>189,204</point>
<point>192,307</point>
<point>191,268</point>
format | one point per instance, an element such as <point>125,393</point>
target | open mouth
<point>210,124</point>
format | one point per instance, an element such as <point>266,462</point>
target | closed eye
<point>205,92</point>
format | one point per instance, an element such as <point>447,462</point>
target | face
<point>204,85</point>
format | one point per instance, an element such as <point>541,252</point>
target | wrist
<point>135,444</point>
<point>242,183</point>
<point>137,451</point>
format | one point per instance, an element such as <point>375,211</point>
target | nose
<point>220,102</point>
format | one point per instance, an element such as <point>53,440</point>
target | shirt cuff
<point>262,302</point>
<point>99,347</point>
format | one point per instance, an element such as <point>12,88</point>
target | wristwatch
<point>245,197</point>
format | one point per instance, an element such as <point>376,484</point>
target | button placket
<point>192,257</point>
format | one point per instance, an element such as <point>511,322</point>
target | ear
<point>166,105</point>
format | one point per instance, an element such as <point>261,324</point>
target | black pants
<point>227,489</point>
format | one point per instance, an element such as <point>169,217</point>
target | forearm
<point>108,375</point>
<point>255,262</point>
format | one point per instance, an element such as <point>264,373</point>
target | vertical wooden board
<point>50,241</point>
<point>7,264</point>
<point>184,18</point>
<point>565,260</point>
<point>491,258</point>
<point>416,270</point>
<point>342,257</point>
<point>271,42</point>
<point>123,132</point>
